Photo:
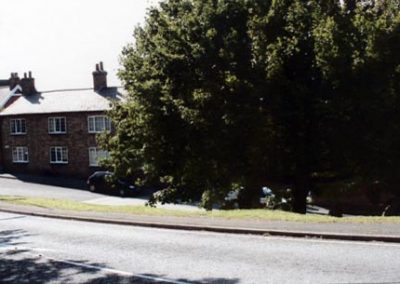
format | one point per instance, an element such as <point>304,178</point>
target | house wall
<point>1,151</point>
<point>38,140</point>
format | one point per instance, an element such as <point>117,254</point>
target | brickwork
<point>38,140</point>
<point>1,153</point>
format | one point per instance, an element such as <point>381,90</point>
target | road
<point>33,189</point>
<point>18,187</point>
<point>74,190</point>
<point>40,250</point>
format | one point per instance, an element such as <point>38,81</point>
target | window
<point>20,155</point>
<point>57,125</point>
<point>18,126</point>
<point>98,123</point>
<point>58,155</point>
<point>96,155</point>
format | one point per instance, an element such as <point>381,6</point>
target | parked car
<point>103,181</point>
<point>231,199</point>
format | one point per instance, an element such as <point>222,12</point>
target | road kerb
<point>7,177</point>
<point>215,229</point>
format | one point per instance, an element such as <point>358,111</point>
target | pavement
<point>379,232</point>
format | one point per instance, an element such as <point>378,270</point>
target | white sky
<point>60,41</point>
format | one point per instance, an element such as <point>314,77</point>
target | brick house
<point>54,132</point>
<point>4,96</point>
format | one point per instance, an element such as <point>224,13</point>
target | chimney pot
<point>13,81</point>
<point>99,78</point>
<point>28,85</point>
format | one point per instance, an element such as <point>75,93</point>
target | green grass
<point>254,214</point>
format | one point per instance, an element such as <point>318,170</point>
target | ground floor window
<point>20,154</point>
<point>58,155</point>
<point>96,155</point>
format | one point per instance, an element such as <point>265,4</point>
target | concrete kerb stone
<point>216,229</point>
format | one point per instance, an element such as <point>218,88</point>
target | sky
<point>60,41</point>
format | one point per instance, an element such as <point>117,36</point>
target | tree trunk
<point>249,197</point>
<point>300,192</point>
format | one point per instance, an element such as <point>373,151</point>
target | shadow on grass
<point>19,264</point>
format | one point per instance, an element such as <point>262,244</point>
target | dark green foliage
<point>191,116</point>
<point>245,93</point>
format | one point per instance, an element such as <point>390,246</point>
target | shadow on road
<point>70,183</point>
<point>22,265</point>
<point>73,183</point>
<point>119,279</point>
<point>12,237</point>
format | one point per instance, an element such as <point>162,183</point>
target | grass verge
<point>254,214</point>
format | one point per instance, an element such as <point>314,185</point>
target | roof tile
<point>75,100</point>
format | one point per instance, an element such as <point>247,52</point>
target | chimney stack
<point>13,81</point>
<point>28,84</point>
<point>99,78</point>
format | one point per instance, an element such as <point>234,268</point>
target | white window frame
<point>17,123</point>
<point>96,155</point>
<point>61,150</point>
<point>106,123</point>
<point>52,125</point>
<point>20,155</point>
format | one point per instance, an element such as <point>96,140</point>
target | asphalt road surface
<point>40,250</point>
<point>76,190</point>
<point>32,189</point>
<point>16,187</point>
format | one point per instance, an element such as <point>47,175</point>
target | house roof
<point>8,96</point>
<point>4,89</point>
<point>4,93</point>
<point>60,101</point>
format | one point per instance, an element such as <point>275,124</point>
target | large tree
<point>332,73</point>
<point>192,112</point>
<point>369,98</point>
<point>236,93</point>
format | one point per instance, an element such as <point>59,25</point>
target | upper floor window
<point>18,126</point>
<point>58,155</point>
<point>57,125</point>
<point>20,155</point>
<point>96,155</point>
<point>98,123</point>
